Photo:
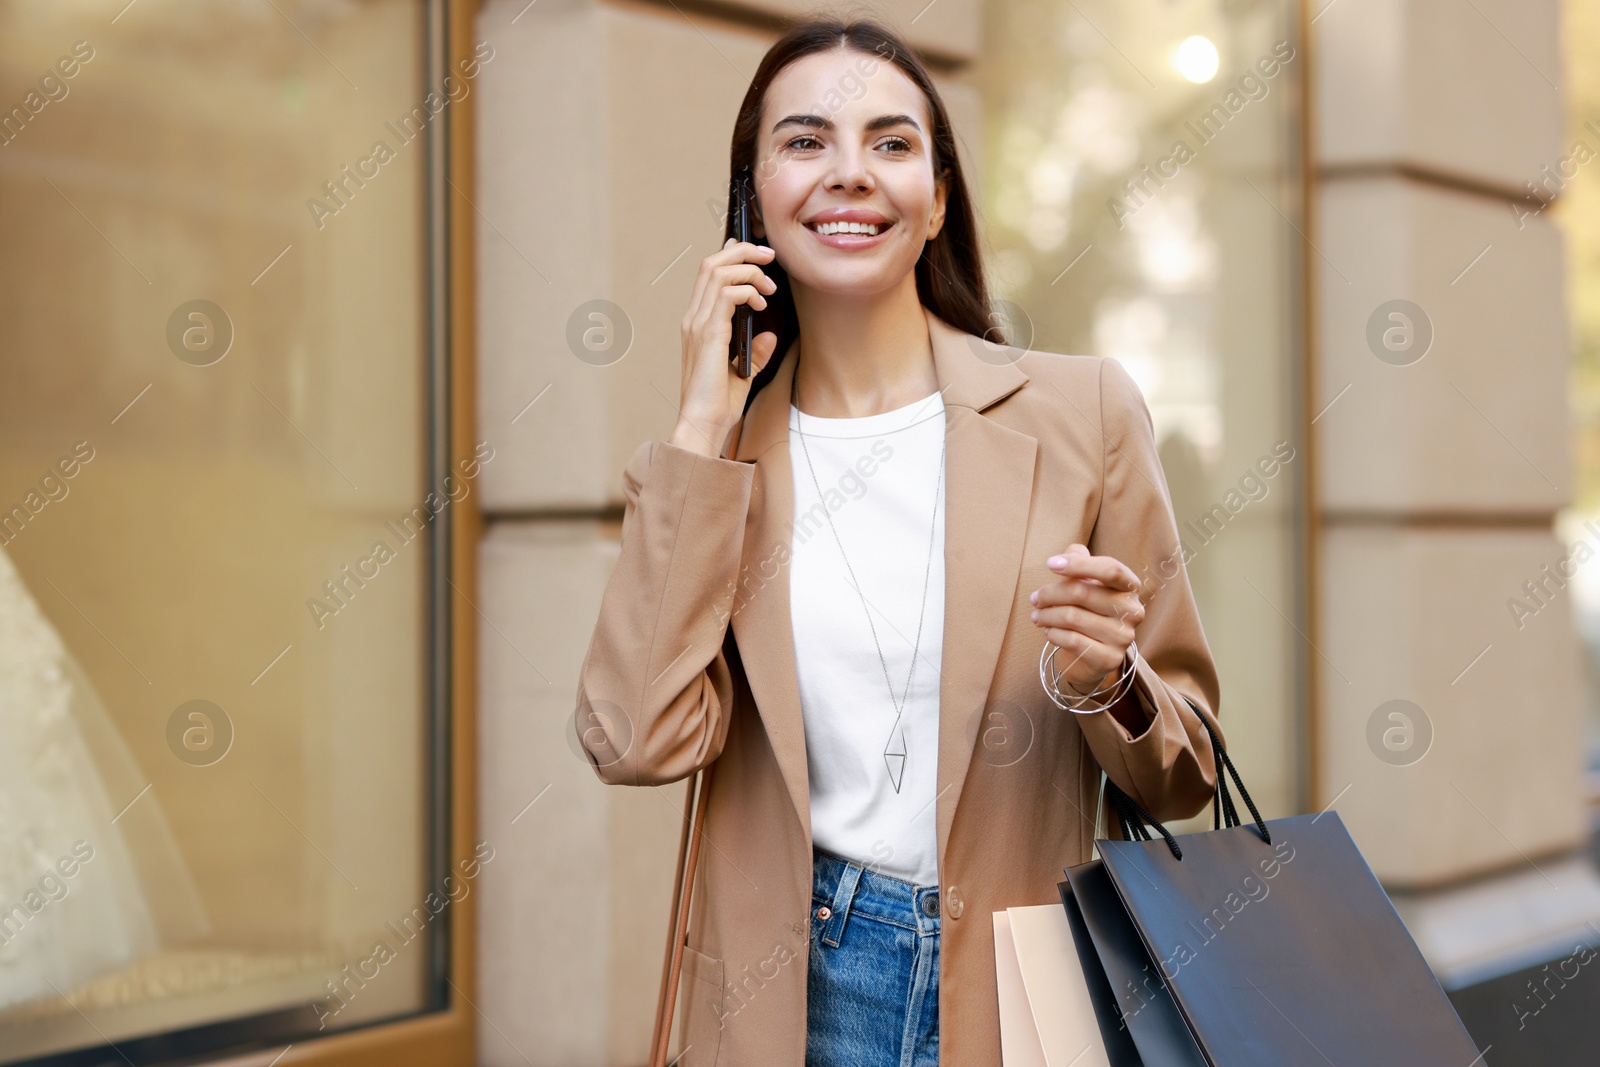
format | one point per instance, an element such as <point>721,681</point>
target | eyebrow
<point>817,122</point>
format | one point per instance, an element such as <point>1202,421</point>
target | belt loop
<point>833,930</point>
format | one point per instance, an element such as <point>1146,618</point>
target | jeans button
<point>824,912</point>
<point>930,905</point>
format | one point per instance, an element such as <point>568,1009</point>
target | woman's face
<point>845,138</point>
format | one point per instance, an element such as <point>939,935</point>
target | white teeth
<point>847,227</point>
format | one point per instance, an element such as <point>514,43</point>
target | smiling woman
<point>866,123</point>
<point>831,719</point>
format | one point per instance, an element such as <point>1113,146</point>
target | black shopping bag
<point>1265,945</point>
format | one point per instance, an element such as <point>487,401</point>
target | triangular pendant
<point>895,760</point>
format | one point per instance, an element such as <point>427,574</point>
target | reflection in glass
<point>59,930</point>
<point>1577,214</point>
<point>1139,170</point>
<point>213,413</point>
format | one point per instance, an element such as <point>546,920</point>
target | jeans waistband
<point>845,886</point>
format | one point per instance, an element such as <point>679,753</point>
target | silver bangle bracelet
<point>1050,679</point>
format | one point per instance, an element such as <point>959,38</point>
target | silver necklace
<point>894,758</point>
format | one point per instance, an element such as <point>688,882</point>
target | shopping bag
<point>1262,945</point>
<point>1047,1016</point>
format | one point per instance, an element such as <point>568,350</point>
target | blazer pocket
<point>700,988</point>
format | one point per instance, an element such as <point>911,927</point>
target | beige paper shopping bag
<point>1046,1018</point>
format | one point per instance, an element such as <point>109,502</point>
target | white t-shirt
<point>878,476</point>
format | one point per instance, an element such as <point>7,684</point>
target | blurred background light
<point>1196,59</point>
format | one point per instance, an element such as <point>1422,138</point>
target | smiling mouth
<point>870,229</point>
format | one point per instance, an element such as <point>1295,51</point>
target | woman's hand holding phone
<point>713,394</point>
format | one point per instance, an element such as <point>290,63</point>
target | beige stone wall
<point>1439,476</point>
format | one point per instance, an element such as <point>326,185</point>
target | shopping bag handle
<point>1136,823</point>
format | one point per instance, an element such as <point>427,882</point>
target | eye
<point>905,145</point>
<point>802,137</point>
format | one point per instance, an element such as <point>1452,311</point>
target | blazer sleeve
<point>1169,767</point>
<point>654,690</point>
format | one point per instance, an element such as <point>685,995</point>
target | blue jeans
<point>872,984</point>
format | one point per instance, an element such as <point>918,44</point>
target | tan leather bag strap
<point>694,818</point>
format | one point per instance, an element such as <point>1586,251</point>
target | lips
<point>852,241</point>
<point>849,228</point>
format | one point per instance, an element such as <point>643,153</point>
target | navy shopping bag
<point>1264,945</point>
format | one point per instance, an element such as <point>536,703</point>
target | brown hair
<point>950,280</point>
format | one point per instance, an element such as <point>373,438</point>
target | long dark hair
<point>950,280</point>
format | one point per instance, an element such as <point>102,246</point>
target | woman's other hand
<point>713,395</point>
<point>1090,614</point>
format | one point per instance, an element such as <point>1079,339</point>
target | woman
<point>884,780</point>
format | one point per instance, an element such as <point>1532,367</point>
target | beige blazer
<point>692,660</point>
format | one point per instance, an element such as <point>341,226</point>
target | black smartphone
<point>740,194</point>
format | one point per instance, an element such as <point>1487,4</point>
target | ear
<point>941,191</point>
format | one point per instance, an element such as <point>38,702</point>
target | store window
<point>1141,178</point>
<point>221,533</point>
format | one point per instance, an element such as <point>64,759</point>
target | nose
<point>850,171</point>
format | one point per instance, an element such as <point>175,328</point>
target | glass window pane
<point>1577,213</point>
<point>1139,174</point>
<point>214,549</point>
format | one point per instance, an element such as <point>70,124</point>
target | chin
<point>818,278</point>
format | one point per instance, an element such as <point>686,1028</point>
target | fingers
<point>731,296</point>
<point>712,391</point>
<point>1091,611</point>
<point>761,350</point>
<point>735,261</point>
<point>728,286</point>
<point>1076,562</point>
<point>1090,624</point>
<point>1097,598</point>
<point>712,323</point>
<point>1083,658</point>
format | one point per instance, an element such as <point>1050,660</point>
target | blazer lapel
<point>988,490</point>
